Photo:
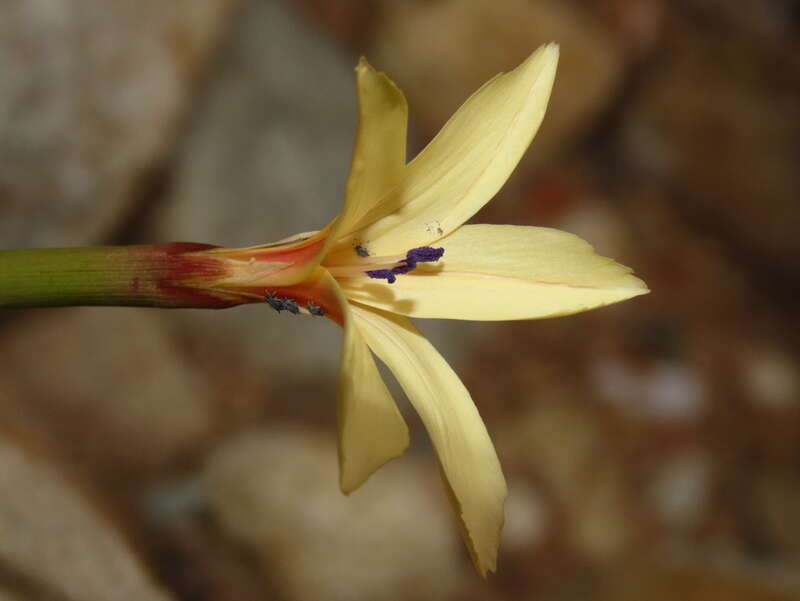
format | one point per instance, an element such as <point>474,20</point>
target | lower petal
<point>371,429</point>
<point>465,451</point>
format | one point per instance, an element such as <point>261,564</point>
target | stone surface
<point>276,491</point>
<point>52,535</point>
<point>680,488</point>
<point>528,517</point>
<point>106,387</point>
<point>719,121</point>
<point>90,95</point>
<point>665,391</point>
<point>637,579</point>
<point>771,378</point>
<point>574,460</point>
<point>9,596</point>
<point>269,145</point>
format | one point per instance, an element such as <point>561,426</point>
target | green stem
<point>173,275</point>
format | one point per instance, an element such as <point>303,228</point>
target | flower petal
<point>498,272</point>
<point>371,429</point>
<point>281,263</point>
<point>468,161</point>
<point>466,453</point>
<point>379,154</point>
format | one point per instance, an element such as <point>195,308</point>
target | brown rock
<point>268,151</point>
<point>697,581</point>
<point>9,596</point>
<point>105,387</point>
<point>716,121</point>
<point>57,542</point>
<point>776,493</point>
<point>576,463</point>
<point>680,490</point>
<point>90,94</point>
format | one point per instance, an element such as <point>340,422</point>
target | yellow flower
<point>381,261</point>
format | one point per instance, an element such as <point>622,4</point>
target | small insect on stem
<point>315,310</point>
<point>361,250</point>
<point>275,302</point>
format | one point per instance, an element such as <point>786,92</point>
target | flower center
<point>387,267</point>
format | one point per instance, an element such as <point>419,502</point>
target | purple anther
<point>382,274</point>
<point>424,254</point>
<point>404,267</point>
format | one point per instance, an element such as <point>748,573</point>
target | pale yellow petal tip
<point>484,553</point>
<point>363,63</point>
<point>551,47</point>
<point>625,279</point>
<point>349,483</point>
<point>542,64</point>
<point>546,53</point>
<point>367,77</point>
<point>629,288</point>
<point>640,286</point>
<point>484,563</point>
<point>352,478</point>
<point>364,67</point>
<point>636,285</point>
<point>486,560</point>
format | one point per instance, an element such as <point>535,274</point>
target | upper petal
<point>371,429</point>
<point>497,272</point>
<point>468,161</point>
<point>379,153</point>
<point>466,453</point>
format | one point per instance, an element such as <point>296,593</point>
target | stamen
<point>382,274</point>
<point>421,254</point>
<point>404,268</point>
<point>358,267</point>
<point>424,254</point>
<point>386,267</point>
<point>375,262</point>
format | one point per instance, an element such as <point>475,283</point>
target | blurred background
<point>652,448</point>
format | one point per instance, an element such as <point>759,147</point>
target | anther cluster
<point>422,254</point>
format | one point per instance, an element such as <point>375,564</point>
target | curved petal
<point>466,453</point>
<point>468,161</point>
<point>281,263</point>
<point>379,153</point>
<point>498,272</point>
<point>371,429</point>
